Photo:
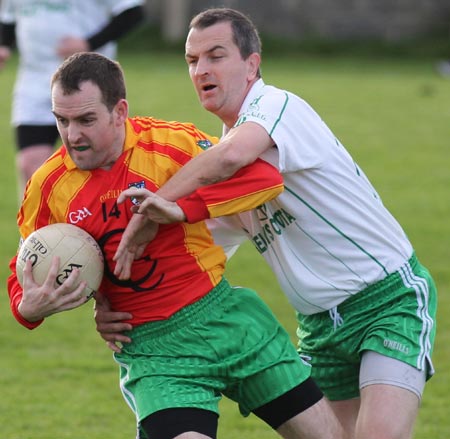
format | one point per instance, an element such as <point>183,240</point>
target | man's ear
<point>254,61</point>
<point>121,111</point>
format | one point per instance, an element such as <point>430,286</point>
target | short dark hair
<point>245,34</point>
<point>100,70</point>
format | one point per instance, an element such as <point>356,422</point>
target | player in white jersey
<point>45,33</point>
<point>366,306</point>
<point>328,235</point>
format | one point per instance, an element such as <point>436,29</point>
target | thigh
<point>318,421</point>
<point>172,368</point>
<point>403,327</point>
<point>388,386</point>
<point>265,364</point>
<point>346,412</point>
<point>386,411</point>
<point>172,423</point>
<point>332,352</point>
<point>379,369</point>
<point>287,406</point>
<point>394,317</point>
<point>232,346</point>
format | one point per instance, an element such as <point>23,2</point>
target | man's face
<point>93,136</point>
<point>219,74</point>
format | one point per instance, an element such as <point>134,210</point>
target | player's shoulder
<point>273,92</point>
<point>146,123</point>
<point>54,164</point>
<point>288,103</point>
<point>151,128</point>
<point>55,160</point>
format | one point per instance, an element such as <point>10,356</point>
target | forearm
<point>120,25</point>
<point>250,187</point>
<point>209,167</point>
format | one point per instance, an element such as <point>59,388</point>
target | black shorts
<point>29,135</point>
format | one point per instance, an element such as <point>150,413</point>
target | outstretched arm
<point>250,186</point>
<point>239,148</point>
<point>119,25</point>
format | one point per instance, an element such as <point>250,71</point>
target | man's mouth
<point>80,148</point>
<point>208,87</point>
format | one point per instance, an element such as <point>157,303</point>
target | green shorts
<point>394,317</point>
<point>228,342</point>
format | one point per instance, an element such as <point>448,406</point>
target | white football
<point>74,246</point>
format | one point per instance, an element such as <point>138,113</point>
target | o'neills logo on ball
<point>33,250</point>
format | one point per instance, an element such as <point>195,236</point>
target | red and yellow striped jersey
<point>181,264</point>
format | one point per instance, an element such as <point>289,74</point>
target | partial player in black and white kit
<point>45,33</point>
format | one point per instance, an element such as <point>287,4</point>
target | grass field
<point>59,381</point>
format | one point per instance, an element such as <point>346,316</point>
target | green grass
<point>59,381</point>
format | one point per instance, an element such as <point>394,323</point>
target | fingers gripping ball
<point>76,249</point>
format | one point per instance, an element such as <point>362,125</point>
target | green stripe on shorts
<point>228,342</point>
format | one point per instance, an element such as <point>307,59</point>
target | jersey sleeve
<point>15,292</point>
<point>7,12</point>
<point>250,187</point>
<point>119,25</point>
<point>32,207</point>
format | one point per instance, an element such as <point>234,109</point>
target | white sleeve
<point>118,6</point>
<point>7,14</point>
<point>227,232</point>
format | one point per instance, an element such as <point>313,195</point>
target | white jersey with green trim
<point>328,235</point>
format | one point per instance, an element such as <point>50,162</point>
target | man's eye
<point>216,58</point>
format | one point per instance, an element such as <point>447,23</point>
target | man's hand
<point>40,301</point>
<point>5,54</point>
<point>138,233</point>
<point>152,206</point>
<point>110,324</point>
<point>69,45</point>
<point>142,228</point>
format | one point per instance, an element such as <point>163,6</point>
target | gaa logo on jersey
<point>138,185</point>
<point>204,144</point>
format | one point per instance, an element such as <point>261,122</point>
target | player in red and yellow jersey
<point>179,267</point>
<point>194,336</point>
